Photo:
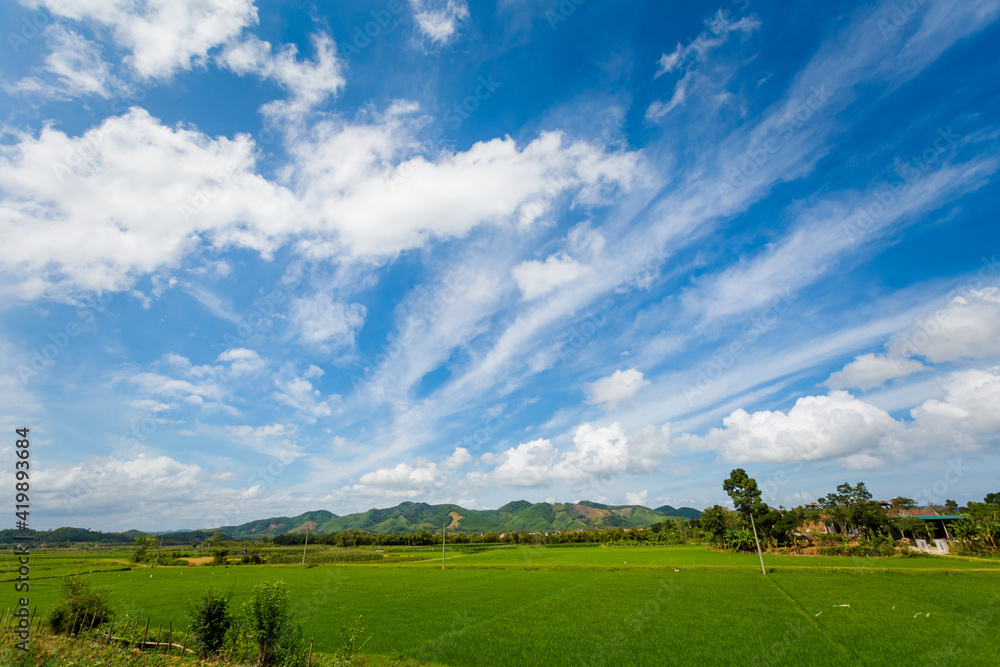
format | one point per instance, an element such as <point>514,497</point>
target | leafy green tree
<point>992,499</point>
<point>210,620</point>
<point>139,548</point>
<point>713,523</point>
<point>951,506</point>
<point>745,494</point>
<point>269,626</point>
<point>904,503</point>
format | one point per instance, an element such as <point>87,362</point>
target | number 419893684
<point>22,486</point>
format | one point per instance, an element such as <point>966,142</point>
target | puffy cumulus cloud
<point>162,36</point>
<point>816,428</point>
<point>860,435</point>
<point>308,83</point>
<point>968,327</point>
<point>873,370</point>
<point>402,481</point>
<point>967,418</point>
<point>357,183</point>
<point>439,20</point>
<point>322,321</point>
<point>597,452</point>
<point>128,197</point>
<point>637,498</point>
<point>459,458</point>
<point>132,196</point>
<point>619,386</point>
<point>242,361</point>
<point>539,278</point>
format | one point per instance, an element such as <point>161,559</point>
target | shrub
<point>219,556</point>
<point>267,624</point>
<point>79,606</point>
<point>209,621</point>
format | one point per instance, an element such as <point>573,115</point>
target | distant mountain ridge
<point>519,515</point>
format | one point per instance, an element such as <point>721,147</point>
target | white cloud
<point>597,452</point>
<point>126,198</point>
<point>872,370</point>
<point>816,428</point>
<point>719,29</point>
<point>322,321</point>
<point>967,419</point>
<point>860,435</point>
<point>400,482</point>
<point>162,36</point>
<point>618,387</point>
<point>637,498</point>
<point>300,394</point>
<point>459,458</point>
<point>242,361</point>
<point>539,278</point>
<point>150,406</point>
<point>309,84</point>
<point>76,63</point>
<point>439,20</point>
<point>968,327</point>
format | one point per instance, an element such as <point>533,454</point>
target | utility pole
<point>444,531</point>
<point>304,548</point>
<point>158,552</point>
<point>759,553</point>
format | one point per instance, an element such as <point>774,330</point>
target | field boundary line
<point>812,619</point>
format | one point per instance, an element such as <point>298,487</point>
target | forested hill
<point>520,516</point>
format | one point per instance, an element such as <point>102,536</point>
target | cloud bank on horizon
<point>262,259</point>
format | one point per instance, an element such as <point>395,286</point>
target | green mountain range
<point>520,516</point>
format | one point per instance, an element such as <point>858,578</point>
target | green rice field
<point>598,605</point>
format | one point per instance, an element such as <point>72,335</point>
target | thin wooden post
<point>159,633</point>
<point>158,552</point>
<point>309,660</point>
<point>145,631</point>
<point>759,553</point>
<point>38,626</point>
<point>33,610</point>
<point>3,619</point>
<point>304,548</point>
<point>93,619</point>
<point>111,630</point>
<point>72,625</point>
<point>170,638</point>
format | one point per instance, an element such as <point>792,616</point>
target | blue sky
<point>261,258</point>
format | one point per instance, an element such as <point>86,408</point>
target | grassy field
<point>603,606</point>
